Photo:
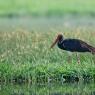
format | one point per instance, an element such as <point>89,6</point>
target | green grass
<point>27,56</point>
<point>47,7</point>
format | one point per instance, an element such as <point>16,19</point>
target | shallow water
<point>45,23</point>
<point>48,89</point>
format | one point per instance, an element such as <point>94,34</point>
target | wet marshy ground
<point>46,65</point>
<point>76,88</point>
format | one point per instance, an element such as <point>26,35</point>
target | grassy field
<point>47,7</point>
<point>26,55</point>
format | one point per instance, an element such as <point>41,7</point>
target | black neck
<point>60,41</point>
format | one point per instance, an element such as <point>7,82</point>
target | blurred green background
<point>47,7</point>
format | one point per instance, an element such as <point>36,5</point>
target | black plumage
<point>73,45</point>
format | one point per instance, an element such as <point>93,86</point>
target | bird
<point>72,45</point>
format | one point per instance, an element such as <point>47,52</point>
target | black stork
<point>73,45</point>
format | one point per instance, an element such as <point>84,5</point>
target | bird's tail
<point>91,49</point>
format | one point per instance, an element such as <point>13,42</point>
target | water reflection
<point>48,89</point>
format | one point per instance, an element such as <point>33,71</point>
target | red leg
<point>78,58</point>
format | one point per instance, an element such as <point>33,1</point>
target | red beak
<point>56,40</point>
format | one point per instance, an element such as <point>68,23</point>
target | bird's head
<point>58,39</point>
